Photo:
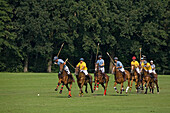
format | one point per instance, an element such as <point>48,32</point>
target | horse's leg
<point>156,82</point>
<point>59,82</point>
<point>121,89</point>
<point>131,83</point>
<point>97,86</point>
<point>152,87</point>
<point>69,95</point>
<point>91,86</point>
<point>147,86</point>
<point>81,91</point>
<point>61,88</point>
<point>136,83</point>
<point>115,87</point>
<point>86,89</point>
<point>104,88</point>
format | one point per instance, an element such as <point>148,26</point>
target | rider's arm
<point>119,67</point>
<point>82,67</point>
<point>102,64</point>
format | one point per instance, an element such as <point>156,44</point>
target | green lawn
<point>18,94</point>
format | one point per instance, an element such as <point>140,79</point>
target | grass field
<point>18,94</point>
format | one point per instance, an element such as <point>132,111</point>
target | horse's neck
<point>64,73</point>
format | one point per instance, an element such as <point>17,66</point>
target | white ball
<point>38,94</point>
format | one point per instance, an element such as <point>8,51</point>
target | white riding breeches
<point>67,70</point>
<point>150,71</point>
<point>102,69</point>
<point>84,71</point>
<point>153,71</point>
<point>137,69</point>
<point>122,70</point>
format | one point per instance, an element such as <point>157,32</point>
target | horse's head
<point>77,70</point>
<point>132,69</point>
<point>96,67</point>
<point>114,69</point>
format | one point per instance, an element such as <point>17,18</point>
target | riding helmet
<point>145,62</point>
<point>100,56</point>
<point>133,58</point>
<point>55,58</point>
<point>81,59</point>
<point>151,61</point>
<point>115,58</point>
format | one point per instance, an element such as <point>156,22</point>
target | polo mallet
<point>66,60</point>
<point>60,49</point>
<point>140,53</point>
<point>71,65</point>
<point>110,58</point>
<point>97,52</point>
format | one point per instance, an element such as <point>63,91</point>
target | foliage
<point>120,26</point>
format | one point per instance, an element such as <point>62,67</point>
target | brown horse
<point>153,79</point>
<point>146,79</point>
<point>82,80</point>
<point>119,79</point>
<point>135,77</point>
<point>100,78</point>
<point>65,79</point>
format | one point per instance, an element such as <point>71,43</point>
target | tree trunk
<point>26,65</point>
<point>111,64</point>
<point>49,65</point>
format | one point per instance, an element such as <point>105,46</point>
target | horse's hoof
<point>97,89</point>
<point>69,96</point>
<point>157,92</point>
<point>104,95</point>
<point>121,92</point>
<point>126,92</point>
<point>145,93</point>
<point>56,89</point>
<point>86,91</point>
<point>60,92</point>
<point>117,91</point>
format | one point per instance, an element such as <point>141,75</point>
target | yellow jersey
<point>148,67</point>
<point>136,64</point>
<point>81,65</point>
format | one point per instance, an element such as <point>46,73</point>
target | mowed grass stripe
<point>18,94</point>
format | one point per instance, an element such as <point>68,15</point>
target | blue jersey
<point>119,64</point>
<point>60,61</point>
<point>100,62</point>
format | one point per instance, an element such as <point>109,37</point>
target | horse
<point>134,77</point>
<point>82,80</point>
<point>100,78</point>
<point>146,80</point>
<point>119,79</point>
<point>65,80</point>
<point>153,79</point>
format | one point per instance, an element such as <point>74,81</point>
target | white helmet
<point>151,61</point>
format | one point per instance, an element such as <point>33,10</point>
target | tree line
<point>32,31</point>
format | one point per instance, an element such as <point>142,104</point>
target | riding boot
<point>88,77</point>
<point>124,76</point>
<point>104,75</point>
<point>72,77</point>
